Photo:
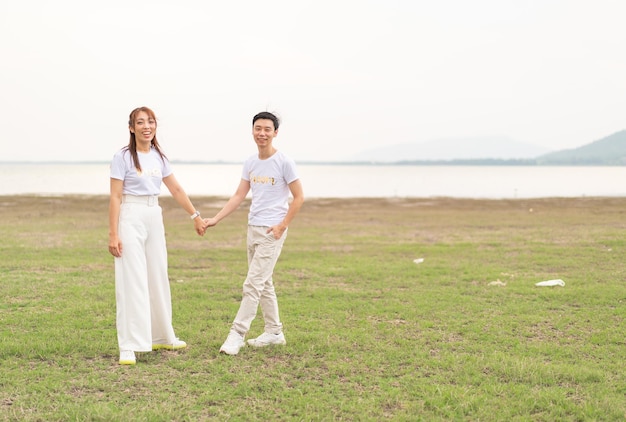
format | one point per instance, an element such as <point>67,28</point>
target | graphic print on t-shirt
<point>262,180</point>
<point>153,172</point>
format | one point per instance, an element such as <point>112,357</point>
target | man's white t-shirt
<point>269,183</point>
<point>148,182</point>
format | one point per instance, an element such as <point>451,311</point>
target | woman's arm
<point>178,193</point>
<point>115,245</point>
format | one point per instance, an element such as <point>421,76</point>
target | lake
<point>341,181</point>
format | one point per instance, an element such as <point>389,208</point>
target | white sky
<point>344,75</point>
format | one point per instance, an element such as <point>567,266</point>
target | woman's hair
<point>132,144</point>
<point>269,116</point>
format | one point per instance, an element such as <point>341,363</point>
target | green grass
<point>371,335</point>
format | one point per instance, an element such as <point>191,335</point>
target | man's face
<point>263,132</point>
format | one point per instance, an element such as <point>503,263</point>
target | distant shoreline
<point>337,180</point>
<point>476,163</point>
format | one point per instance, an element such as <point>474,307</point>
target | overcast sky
<point>344,75</point>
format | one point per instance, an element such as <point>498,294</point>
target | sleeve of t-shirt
<point>167,168</point>
<point>118,167</point>
<point>290,171</point>
<point>245,171</point>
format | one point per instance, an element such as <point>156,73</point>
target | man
<point>271,176</point>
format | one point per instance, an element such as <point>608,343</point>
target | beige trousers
<point>258,288</point>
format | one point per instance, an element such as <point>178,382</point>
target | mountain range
<point>610,150</point>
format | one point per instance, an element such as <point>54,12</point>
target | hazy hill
<point>610,150</point>
<point>606,151</point>
<point>452,149</point>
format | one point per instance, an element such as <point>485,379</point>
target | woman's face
<point>144,128</point>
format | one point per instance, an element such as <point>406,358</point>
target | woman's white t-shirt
<point>148,182</point>
<point>269,183</point>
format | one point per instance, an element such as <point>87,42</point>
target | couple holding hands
<point>137,236</point>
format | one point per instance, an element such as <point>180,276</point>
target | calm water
<point>325,181</point>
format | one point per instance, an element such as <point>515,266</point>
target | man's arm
<point>232,204</point>
<point>298,199</point>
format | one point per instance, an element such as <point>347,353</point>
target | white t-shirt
<point>153,170</point>
<point>269,182</point>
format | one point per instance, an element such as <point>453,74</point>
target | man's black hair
<point>267,115</point>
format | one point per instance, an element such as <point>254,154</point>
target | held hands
<point>203,224</point>
<point>200,225</point>
<point>210,222</point>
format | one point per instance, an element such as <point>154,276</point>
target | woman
<point>137,240</point>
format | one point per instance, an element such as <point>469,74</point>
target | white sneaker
<point>268,339</point>
<point>176,345</point>
<point>233,343</point>
<point>127,357</point>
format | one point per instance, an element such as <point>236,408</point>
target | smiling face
<point>263,132</point>
<point>144,127</point>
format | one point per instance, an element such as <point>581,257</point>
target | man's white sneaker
<point>177,345</point>
<point>127,357</point>
<point>233,343</point>
<point>267,339</point>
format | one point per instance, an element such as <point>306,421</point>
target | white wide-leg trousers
<point>142,288</point>
<point>258,288</point>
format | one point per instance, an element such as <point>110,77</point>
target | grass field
<point>371,335</point>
